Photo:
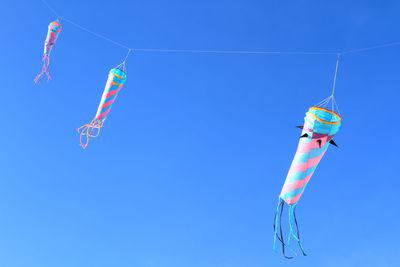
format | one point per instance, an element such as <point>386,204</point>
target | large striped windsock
<point>116,78</point>
<point>320,126</point>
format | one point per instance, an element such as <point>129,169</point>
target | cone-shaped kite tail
<point>116,78</point>
<point>52,34</point>
<point>320,126</point>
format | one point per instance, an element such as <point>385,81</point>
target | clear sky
<point>191,160</point>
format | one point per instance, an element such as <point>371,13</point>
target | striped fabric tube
<point>54,30</point>
<point>116,78</point>
<point>320,126</point>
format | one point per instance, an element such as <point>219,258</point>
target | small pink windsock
<point>52,34</point>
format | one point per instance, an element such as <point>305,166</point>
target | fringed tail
<point>278,221</point>
<point>298,232</point>
<point>292,218</point>
<point>45,68</point>
<point>281,203</point>
<point>88,131</point>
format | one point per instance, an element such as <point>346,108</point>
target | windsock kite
<point>116,78</point>
<point>320,126</point>
<point>52,35</point>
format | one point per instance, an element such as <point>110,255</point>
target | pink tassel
<point>88,130</point>
<point>45,68</point>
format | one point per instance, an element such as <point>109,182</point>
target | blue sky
<point>191,160</point>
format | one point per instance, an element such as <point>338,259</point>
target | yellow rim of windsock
<point>326,110</point>
<point>118,76</point>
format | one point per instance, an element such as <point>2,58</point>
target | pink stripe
<point>112,92</point>
<point>107,104</point>
<point>303,166</point>
<point>305,147</point>
<point>101,115</point>
<point>295,185</point>
<point>293,199</point>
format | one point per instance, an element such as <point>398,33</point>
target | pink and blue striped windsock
<point>320,126</point>
<point>116,78</point>
<point>52,34</point>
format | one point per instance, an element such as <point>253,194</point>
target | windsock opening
<point>117,75</point>
<point>325,115</point>
<point>55,24</point>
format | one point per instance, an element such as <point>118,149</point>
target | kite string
<point>83,28</point>
<point>334,81</point>
<point>371,48</point>
<point>234,51</point>
<point>216,51</point>
<point>122,66</point>
<point>51,9</point>
<point>182,50</point>
<point>127,55</point>
<point>94,33</point>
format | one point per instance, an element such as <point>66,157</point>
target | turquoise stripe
<point>55,32</point>
<point>110,98</point>
<point>300,175</point>
<point>102,111</point>
<point>112,87</point>
<point>293,193</point>
<point>315,152</point>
